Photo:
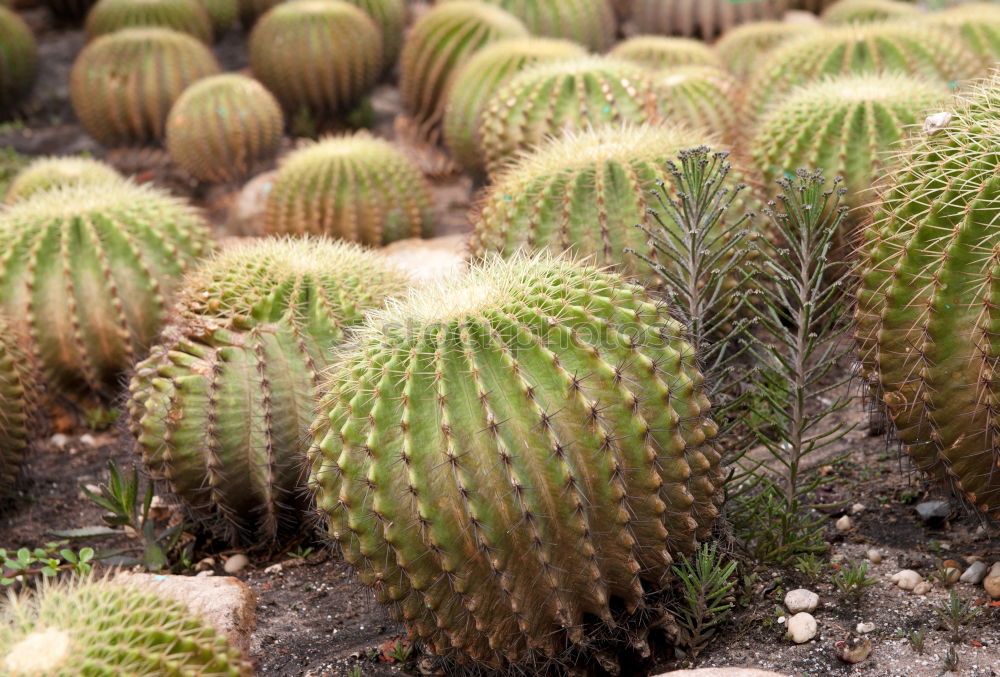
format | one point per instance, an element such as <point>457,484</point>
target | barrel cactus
<point>123,84</point>
<point>485,73</point>
<point>51,172</point>
<point>390,16</point>
<point>590,23</point>
<point>222,14</point>
<point>318,57</point>
<point>867,11</point>
<point>744,48</point>
<point>978,26</point>
<point>18,59</point>
<point>186,16</point>
<point>358,188</point>
<point>927,306</point>
<point>87,274</point>
<point>502,454</point>
<point>440,43</point>
<point>223,127</point>
<point>702,18</point>
<point>700,96</point>
<point>658,51</point>
<point>549,98</point>
<point>98,627</point>
<point>17,388</point>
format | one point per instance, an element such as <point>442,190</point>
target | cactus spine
<point>702,18</point>
<point>223,127</point>
<point>699,96</point>
<point>590,23</point>
<point>51,172</point>
<point>659,52</point>
<point>18,59</point>
<point>185,16</point>
<point>123,84</point>
<point>867,11</point>
<point>88,271</point>
<point>17,390</point>
<point>357,188</point>
<point>927,302</point>
<point>485,73</point>
<point>745,47</point>
<point>486,490</point>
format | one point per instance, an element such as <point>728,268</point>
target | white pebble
<point>857,508</point>
<point>923,588</point>
<point>844,523</point>
<point>863,628</point>
<point>801,628</point>
<point>236,563</point>
<point>274,569</point>
<point>88,439</point>
<point>59,440</point>
<point>874,556</point>
<point>907,579</point>
<point>801,600</point>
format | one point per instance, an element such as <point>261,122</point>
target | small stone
<point>203,574</point>
<point>972,559</point>
<point>874,556</point>
<point>923,588</point>
<point>975,574</point>
<point>992,586</point>
<point>844,524</point>
<point>936,122</point>
<point>206,564</point>
<point>907,579</point>
<point>864,628</point>
<point>59,441</point>
<point>236,563</point>
<point>952,572</point>
<point>801,628</point>
<point>801,600</point>
<point>88,439</point>
<point>857,508</point>
<point>274,569</point>
<point>933,511</point>
<point>995,569</point>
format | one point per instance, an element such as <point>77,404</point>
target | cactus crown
<point>867,11</point>
<point>590,23</point>
<point>700,96</point>
<point>186,16</point>
<point>657,52</point>
<point>51,172</point>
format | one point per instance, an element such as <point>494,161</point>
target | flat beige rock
<point>429,259</point>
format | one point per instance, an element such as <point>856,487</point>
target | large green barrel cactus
<point>907,48</point>
<point>97,627</point>
<point>503,455</point>
<point>478,80</point>
<point>390,16</point>
<point>699,96</point>
<point>18,59</point>
<point>87,274</point>
<point>51,172</point>
<point>223,127</point>
<point>318,57</point>
<point>358,188</point>
<point>186,16</point>
<point>745,47</point>
<point>978,26</point>
<point>702,18</point>
<point>659,51</point>
<point>437,46</point>
<point>222,14</point>
<point>123,84</point>
<point>17,390</point>
<point>550,98</point>
<point>867,11</point>
<point>591,23</point>
<point>848,126</point>
<point>927,306</point>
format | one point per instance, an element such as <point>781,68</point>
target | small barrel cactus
<point>51,172</point>
<point>549,98</point>
<point>70,11</point>
<point>222,14</point>
<point>978,26</point>
<point>658,51</point>
<point>437,46</point>
<point>927,304</point>
<point>17,392</point>
<point>503,453</point>
<point>87,273</point>
<point>867,11</point>
<point>223,127</point>
<point>743,49</point>
<point>185,16</point>
<point>847,126</point>
<point>123,84</point>
<point>358,188</point>
<point>390,16</point>
<point>702,18</point>
<point>700,96</point>
<point>485,73</point>
<point>318,57</point>
<point>251,10</point>
<point>590,23</point>
<point>99,627</point>
<point>18,59</point>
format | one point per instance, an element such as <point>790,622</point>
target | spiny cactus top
<point>123,84</point>
<point>97,627</point>
<point>17,402</point>
<point>87,273</point>
<point>440,43</point>
<point>743,48</point>
<point>186,16</point>
<point>390,16</point>
<point>700,96</point>
<point>867,11</point>
<point>928,299</point>
<point>503,453</point>
<point>18,58</point>
<point>849,126</point>
<point>978,24</point>
<point>549,98</point>
<point>704,18</point>
<point>484,74</point>
<point>223,127</point>
<point>50,172</point>
<point>357,188</point>
<point>318,56</point>
<point>658,51</point>
<point>590,23</point>
<point>907,48</point>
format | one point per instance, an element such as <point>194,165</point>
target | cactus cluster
<point>18,59</point>
<point>390,16</point>
<point>484,74</point>
<point>358,188</point>
<point>978,26</point>
<point>700,96</point>
<point>318,57</point>
<point>17,390</point>
<point>927,304</point>
<point>590,23</point>
<point>98,627</point>
<point>123,84</point>
<point>51,172</point>
<point>87,273</point>
<point>703,18</point>
<point>658,52</point>
<point>867,11</point>
<point>549,98</point>
<point>223,127</point>
<point>744,48</point>
<point>502,454</point>
<point>185,16</point>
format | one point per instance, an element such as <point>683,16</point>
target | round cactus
<point>703,18</point>
<point>185,16</point>
<point>222,14</point>
<point>701,96</point>
<point>18,58</point>
<point>88,271</point>
<point>98,627</point>
<point>223,127</point>
<point>390,16</point>
<point>548,99</point>
<point>251,10</point>
<point>317,56</point>
<point>51,172</point>
<point>978,26</point>
<point>905,48</point>
<point>590,23</point>
<point>71,11</point>
<point>867,11</point>
<point>484,74</point>
<point>123,84</point>
<point>927,305</point>
<point>502,454</point>
<point>745,47</point>
<point>657,52</point>
<point>437,46</point>
<point>357,188</point>
<point>16,404</point>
